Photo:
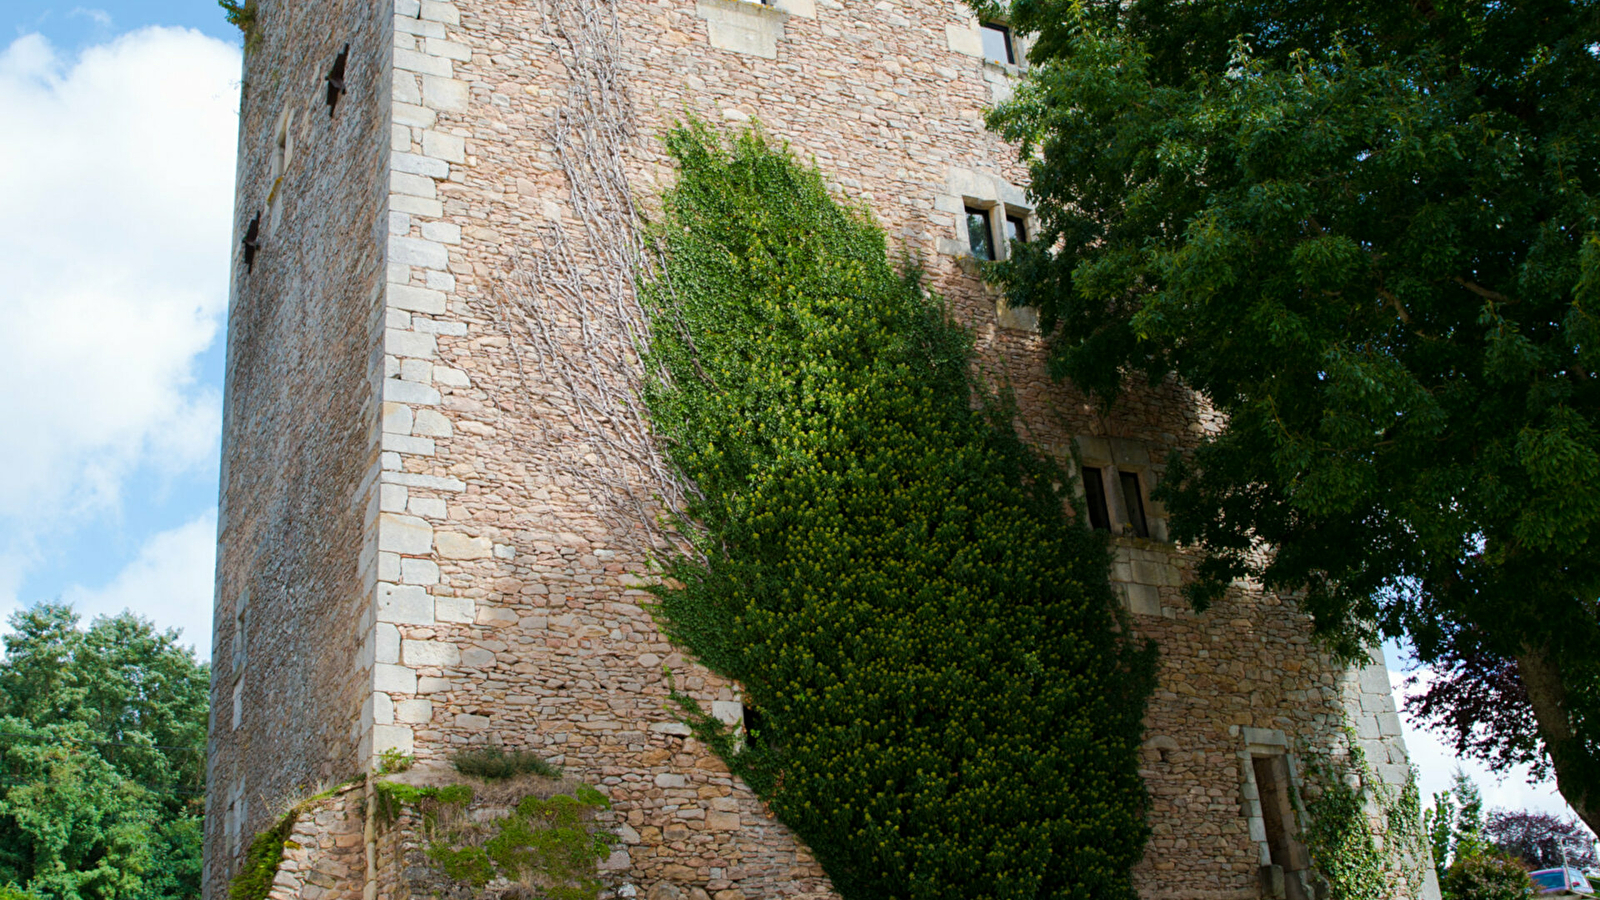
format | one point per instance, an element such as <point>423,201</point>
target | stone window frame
<point>1114,456</point>
<point>1271,743</point>
<point>282,157</point>
<point>240,655</point>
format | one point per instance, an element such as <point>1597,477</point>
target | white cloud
<point>116,169</point>
<point>169,583</point>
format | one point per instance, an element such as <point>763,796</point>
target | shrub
<point>496,764</point>
<point>948,709</point>
<point>1486,875</point>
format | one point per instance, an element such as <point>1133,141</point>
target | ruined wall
<point>300,420</point>
<point>503,552</point>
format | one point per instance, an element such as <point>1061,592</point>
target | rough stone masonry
<point>435,506</point>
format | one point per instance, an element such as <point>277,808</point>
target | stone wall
<point>502,563</point>
<point>299,421</point>
<point>326,854</point>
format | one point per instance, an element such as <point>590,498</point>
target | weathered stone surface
<point>403,499</point>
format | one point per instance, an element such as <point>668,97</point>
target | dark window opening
<point>1134,501</point>
<point>978,236</point>
<point>753,733</point>
<point>1016,228</point>
<point>997,44</point>
<point>1277,813</point>
<point>1094,490</point>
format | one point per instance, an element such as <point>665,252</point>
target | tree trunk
<point>1574,767</point>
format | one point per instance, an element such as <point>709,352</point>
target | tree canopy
<point>102,760</point>
<point>1368,233</point>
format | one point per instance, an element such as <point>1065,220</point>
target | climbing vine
<point>1356,858</point>
<point>551,844</point>
<point>949,706</point>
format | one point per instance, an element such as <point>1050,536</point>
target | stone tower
<point>432,481</point>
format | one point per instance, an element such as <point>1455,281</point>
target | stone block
<point>420,165</point>
<point>404,605</point>
<point>423,63</point>
<point>964,39</point>
<point>382,709</point>
<point>452,545</point>
<point>455,609</point>
<point>440,11</point>
<point>722,821</point>
<point>418,571</point>
<point>451,377</point>
<point>1143,599</point>
<point>447,49</point>
<point>670,780</point>
<point>414,115</point>
<point>477,658</point>
<point>432,422</point>
<point>441,145</point>
<point>443,232</point>
<point>419,206</point>
<point>397,419</point>
<point>472,722</point>
<point>728,712</point>
<point>413,712</point>
<point>396,390</point>
<point>418,252</point>
<point>405,443</point>
<point>394,679</point>
<point>393,737</point>
<point>388,641</point>
<point>410,343</point>
<point>739,27</point>
<point>444,94</point>
<point>406,535</point>
<point>427,507</point>
<point>413,185</point>
<point>438,654</point>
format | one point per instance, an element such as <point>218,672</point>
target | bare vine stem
<point>574,292</point>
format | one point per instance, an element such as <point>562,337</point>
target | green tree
<point>102,765</point>
<point>1454,825</point>
<point>947,707</point>
<point>1368,233</point>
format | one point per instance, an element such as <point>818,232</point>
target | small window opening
<point>753,733</point>
<point>1016,228</point>
<point>1277,815</point>
<point>1133,500</point>
<point>241,633</point>
<point>1094,490</point>
<point>978,236</point>
<point>997,46</point>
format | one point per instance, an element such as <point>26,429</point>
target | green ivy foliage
<point>1356,860</point>
<point>948,706</point>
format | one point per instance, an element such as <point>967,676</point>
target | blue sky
<point>118,169</point>
<point>117,166</point>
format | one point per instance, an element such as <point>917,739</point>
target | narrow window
<point>1134,502</point>
<point>978,236</point>
<point>1277,815</point>
<point>753,735</point>
<point>997,44</point>
<point>1094,490</point>
<point>241,633</point>
<point>238,703</point>
<point>1016,228</point>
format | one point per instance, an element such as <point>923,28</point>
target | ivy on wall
<point>948,704</point>
<point>1357,855</point>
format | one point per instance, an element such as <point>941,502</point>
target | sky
<point>117,168</point>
